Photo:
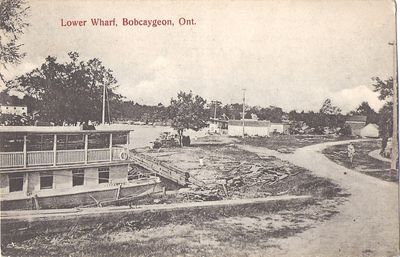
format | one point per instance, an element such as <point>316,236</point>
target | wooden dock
<point>164,170</point>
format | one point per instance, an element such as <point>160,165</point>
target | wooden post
<point>86,148</point>
<point>98,203</point>
<point>225,190</point>
<point>25,154</point>
<point>111,150</point>
<point>55,150</point>
<point>26,183</point>
<point>36,201</point>
<point>118,192</point>
<point>127,143</point>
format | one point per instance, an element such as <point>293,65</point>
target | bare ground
<point>367,224</point>
<point>246,231</point>
<point>246,174</point>
<point>242,231</point>
<point>288,143</point>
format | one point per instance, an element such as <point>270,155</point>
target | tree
<point>67,92</point>
<point>272,113</point>
<point>188,112</point>
<point>328,108</point>
<point>385,89</point>
<point>366,110</point>
<point>386,123</point>
<point>15,120</point>
<point>215,109</point>
<point>12,25</point>
<point>345,130</point>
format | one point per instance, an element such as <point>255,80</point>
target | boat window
<point>16,182</point>
<point>119,139</point>
<point>46,180</point>
<point>97,141</point>
<point>70,142</point>
<point>104,175</point>
<point>11,142</point>
<point>40,142</point>
<point>78,177</point>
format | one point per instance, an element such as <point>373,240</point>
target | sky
<point>291,54</point>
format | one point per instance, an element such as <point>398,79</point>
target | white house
<point>251,127</point>
<point>13,109</point>
<point>371,130</point>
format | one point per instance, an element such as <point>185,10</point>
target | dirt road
<point>367,224</point>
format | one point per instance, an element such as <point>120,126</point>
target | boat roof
<point>60,130</point>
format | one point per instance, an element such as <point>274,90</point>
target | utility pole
<point>215,110</point>
<point>103,116</point>
<point>244,102</point>
<point>395,138</point>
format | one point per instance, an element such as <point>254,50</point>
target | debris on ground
<point>228,172</point>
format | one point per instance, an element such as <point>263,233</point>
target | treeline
<point>66,92</point>
<point>129,110</point>
<point>72,91</point>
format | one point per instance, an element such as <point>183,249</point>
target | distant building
<point>251,127</point>
<point>13,109</point>
<point>371,130</point>
<point>279,128</point>
<point>356,123</point>
<point>217,126</point>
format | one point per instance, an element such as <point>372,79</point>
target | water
<point>144,135</point>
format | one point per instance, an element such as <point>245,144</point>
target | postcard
<point>198,128</point>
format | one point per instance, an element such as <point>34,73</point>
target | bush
<point>345,130</point>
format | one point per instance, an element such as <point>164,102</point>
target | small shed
<point>371,130</point>
<point>279,128</point>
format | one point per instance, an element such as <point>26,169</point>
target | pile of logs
<point>244,177</point>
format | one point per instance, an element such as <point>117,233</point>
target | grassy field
<point>362,161</point>
<point>289,143</point>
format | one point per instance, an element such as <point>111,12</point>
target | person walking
<point>350,153</point>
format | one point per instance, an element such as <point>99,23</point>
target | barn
<point>356,123</point>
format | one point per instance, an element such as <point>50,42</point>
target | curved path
<point>375,154</point>
<point>366,225</point>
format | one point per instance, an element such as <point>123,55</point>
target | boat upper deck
<point>30,146</point>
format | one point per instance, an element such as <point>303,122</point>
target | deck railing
<point>116,153</point>
<point>40,158</point>
<point>12,159</point>
<point>98,155</point>
<point>70,156</point>
<point>60,157</point>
